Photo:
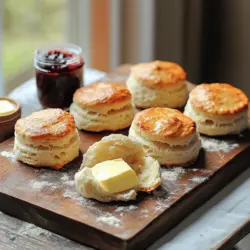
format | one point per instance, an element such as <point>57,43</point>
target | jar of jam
<point>59,73</point>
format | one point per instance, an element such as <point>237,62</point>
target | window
<point>27,25</point>
<point>108,32</point>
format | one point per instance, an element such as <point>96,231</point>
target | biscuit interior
<point>113,147</point>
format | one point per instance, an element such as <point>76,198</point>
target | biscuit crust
<point>161,124</point>
<point>47,124</point>
<point>101,94</point>
<point>159,74</point>
<point>218,99</point>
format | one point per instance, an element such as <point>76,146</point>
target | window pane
<point>29,24</point>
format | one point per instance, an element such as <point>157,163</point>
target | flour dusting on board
<point>61,181</point>
<point>213,145</point>
<point>161,205</point>
<point>172,174</point>
<point>198,179</point>
<point>39,185</point>
<point>65,177</point>
<point>9,155</point>
<point>109,219</point>
<point>126,208</point>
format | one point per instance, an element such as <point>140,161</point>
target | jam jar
<point>59,73</point>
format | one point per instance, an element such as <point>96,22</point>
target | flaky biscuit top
<point>159,74</point>
<point>218,99</point>
<point>48,124</point>
<point>102,94</point>
<point>161,124</point>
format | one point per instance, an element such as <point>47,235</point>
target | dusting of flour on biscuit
<point>160,124</point>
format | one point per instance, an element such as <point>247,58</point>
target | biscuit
<point>158,84</point>
<point>102,106</point>
<point>218,109</point>
<point>46,138</point>
<point>113,147</point>
<point>167,135</point>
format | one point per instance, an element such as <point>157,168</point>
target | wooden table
<point>218,224</point>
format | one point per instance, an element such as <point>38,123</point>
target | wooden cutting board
<point>48,198</point>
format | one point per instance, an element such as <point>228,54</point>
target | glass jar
<point>59,73</point>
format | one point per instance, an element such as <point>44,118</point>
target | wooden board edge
<point>78,232</point>
<point>178,212</point>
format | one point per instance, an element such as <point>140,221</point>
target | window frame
<point>78,18</point>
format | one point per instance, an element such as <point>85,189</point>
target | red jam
<point>59,73</point>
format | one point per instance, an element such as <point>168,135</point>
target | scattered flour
<point>213,145</point>
<point>33,231</point>
<point>199,179</point>
<point>70,183</point>
<point>39,185</point>
<point>144,213</point>
<point>173,174</point>
<point>126,208</point>
<point>179,170</point>
<point>72,194</point>
<point>110,220</point>
<point>161,204</point>
<point>62,181</point>
<point>8,154</point>
<point>65,177</point>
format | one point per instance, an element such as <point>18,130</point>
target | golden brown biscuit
<point>218,109</point>
<point>167,135</point>
<point>218,99</point>
<point>158,74</point>
<point>158,84</point>
<point>102,106</point>
<point>48,124</point>
<point>161,124</point>
<point>102,95</point>
<point>47,138</point>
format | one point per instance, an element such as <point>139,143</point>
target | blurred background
<point>210,39</point>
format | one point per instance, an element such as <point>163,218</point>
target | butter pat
<point>115,176</point>
<point>6,107</point>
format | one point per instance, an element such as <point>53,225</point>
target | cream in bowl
<point>10,112</point>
